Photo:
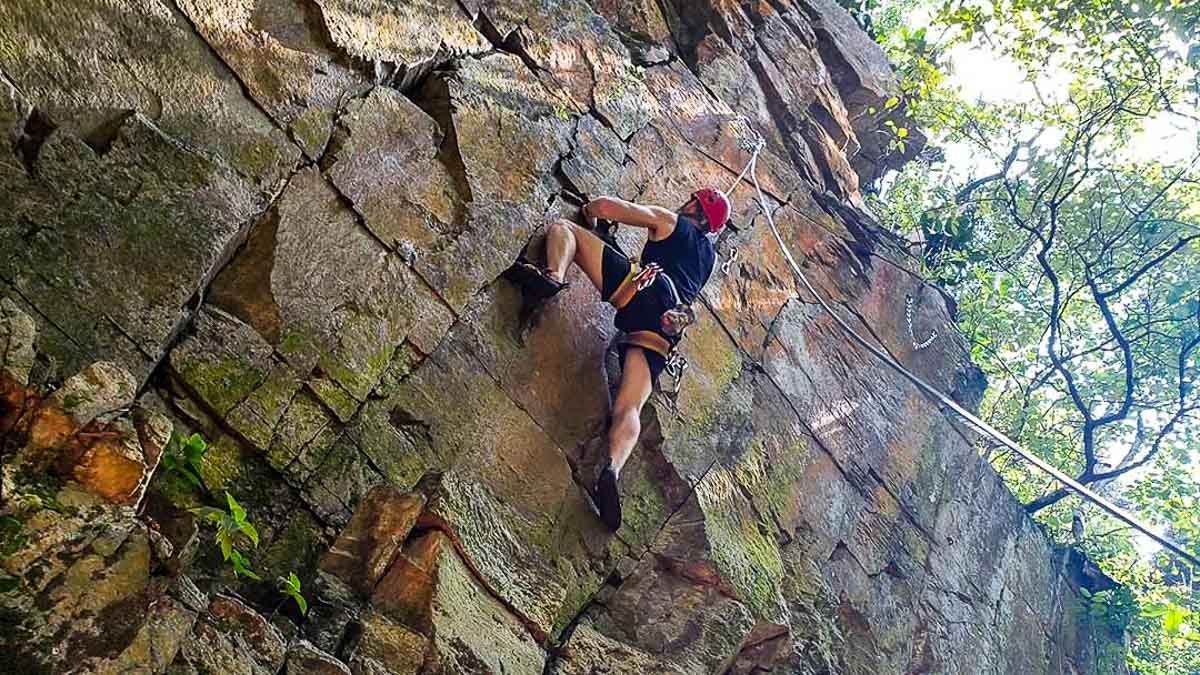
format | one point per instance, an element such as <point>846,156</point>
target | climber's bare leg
<point>567,242</point>
<point>627,408</point>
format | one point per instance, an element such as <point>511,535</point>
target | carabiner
<point>733,256</point>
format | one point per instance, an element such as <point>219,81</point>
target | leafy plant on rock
<point>181,458</point>
<point>233,532</point>
<point>291,588</point>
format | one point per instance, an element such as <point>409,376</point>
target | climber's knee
<point>561,228</point>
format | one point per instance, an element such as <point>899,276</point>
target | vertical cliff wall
<point>281,223</point>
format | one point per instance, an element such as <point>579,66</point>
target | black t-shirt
<point>687,256</point>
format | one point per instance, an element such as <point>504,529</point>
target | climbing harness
<point>908,316</point>
<point>754,143</point>
<point>673,321</point>
<point>648,339</point>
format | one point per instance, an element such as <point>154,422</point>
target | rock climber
<point>653,298</point>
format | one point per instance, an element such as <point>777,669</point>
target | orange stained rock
<point>111,468</point>
<point>406,592</point>
<point>50,427</point>
<point>373,538</point>
<point>14,401</point>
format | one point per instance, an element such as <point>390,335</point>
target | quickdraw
<point>908,315</point>
<point>676,365</point>
<point>647,276</point>
<point>725,266</point>
<point>672,322</point>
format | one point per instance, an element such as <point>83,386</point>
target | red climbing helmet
<point>715,207</point>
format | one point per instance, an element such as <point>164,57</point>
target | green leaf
<point>891,103</point>
<point>291,587</point>
<point>196,447</point>
<point>1177,293</point>
<point>226,543</point>
<point>902,132</point>
<point>241,567</point>
<point>208,513</point>
<point>250,532</point>
<point>1173,619</point>
<point>235,509</point>
<point>191,477</point>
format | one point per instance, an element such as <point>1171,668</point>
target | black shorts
<point>642,313</point>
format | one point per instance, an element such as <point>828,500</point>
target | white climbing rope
<point>754,144</point>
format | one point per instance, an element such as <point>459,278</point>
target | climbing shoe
<point>608,500</point>
<point>536,281</point>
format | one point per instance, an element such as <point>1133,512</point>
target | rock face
<point>281,224</point>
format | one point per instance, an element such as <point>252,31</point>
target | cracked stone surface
<point>281,53</point>
<point>78,69</point>
<point>282,224</point>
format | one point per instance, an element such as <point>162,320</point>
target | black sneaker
<point>536,281</point>
<point>608,499</point>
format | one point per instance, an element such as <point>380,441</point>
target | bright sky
<point>982,74</point>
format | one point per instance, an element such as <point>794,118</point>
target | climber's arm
<point>660,221</point>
